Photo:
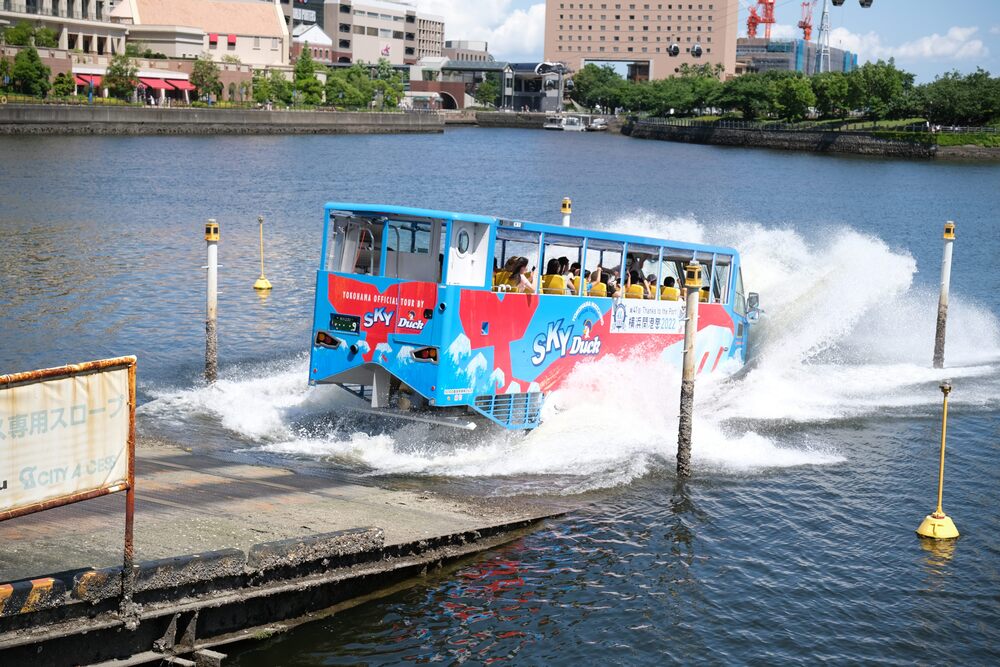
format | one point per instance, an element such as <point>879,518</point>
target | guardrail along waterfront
<point>126,120</point>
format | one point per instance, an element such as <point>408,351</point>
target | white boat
<point>553,123</point>
<point>573,124</point>
<point>598,125</point>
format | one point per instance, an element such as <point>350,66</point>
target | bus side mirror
<point>753,301</point>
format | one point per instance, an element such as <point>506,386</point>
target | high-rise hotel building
<point>654,38</point>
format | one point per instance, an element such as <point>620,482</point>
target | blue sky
<point>927,37</point>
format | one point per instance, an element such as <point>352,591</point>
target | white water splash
<point>845,335</point>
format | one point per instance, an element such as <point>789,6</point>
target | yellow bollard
<point>262,284</point>
<point>939,526</point>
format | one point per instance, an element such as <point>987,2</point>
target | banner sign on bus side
<point>638,316</point>
<point>63,437</point>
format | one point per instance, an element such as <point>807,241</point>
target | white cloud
<point>956,44</point>
<point>513,34</point>
<point>995,30</point>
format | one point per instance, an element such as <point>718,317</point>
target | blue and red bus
<point>416,315</point>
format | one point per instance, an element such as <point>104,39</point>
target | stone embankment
<point>52,119</point>
<point>527,121</point>
<point>857,143</point>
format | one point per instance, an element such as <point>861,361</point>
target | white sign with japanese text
<point>63,437</point>
<point>639,316</point>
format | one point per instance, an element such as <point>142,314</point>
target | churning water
<point>794,541</point>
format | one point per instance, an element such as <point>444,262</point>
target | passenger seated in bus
<point>651,287</point>
<point>564,267</point>
<point>703,295</point>
<point>522,279</point>
<point>670,291</point>
<point>597,285</point>
<point>553,281</point>
<point>504,280</point>
<point>575,272</point>
<point>635,286</point>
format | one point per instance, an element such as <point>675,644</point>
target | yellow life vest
<point>670,294</point>
<point>635,292</point>
<point>703,296</point>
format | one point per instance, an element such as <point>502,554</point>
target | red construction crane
<point>807,19</point>
<point>766,16</point>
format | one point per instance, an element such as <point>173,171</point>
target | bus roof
<point>523,225</point>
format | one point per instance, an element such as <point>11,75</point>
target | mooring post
<point>938,525</point>
<point>942,316</point>
<point>567,211</point>
<point>692,281</point>
<point>212,294</point>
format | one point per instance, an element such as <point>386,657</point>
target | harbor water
<point>794,540</point>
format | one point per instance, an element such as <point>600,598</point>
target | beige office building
<point>644,34</point>
<point>430,35</point>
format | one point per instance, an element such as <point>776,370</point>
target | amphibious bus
<point>444,317</point>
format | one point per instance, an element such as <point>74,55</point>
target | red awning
<point>80,81</point>
<point>156,84</point>
<point>88,78</point>
<point>180,84</point>
<point>213,37</point>
<point>232,39</point>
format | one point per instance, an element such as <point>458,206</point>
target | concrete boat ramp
<point>225,552</point>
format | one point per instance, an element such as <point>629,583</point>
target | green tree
<point>205,77</point>
<point>280,88</point>
<point>873,86</point>
<point>305,66</point>
<point>794,96</point>
<point>388,82</point>
<point>307,86</point>
<point>954,99</point>
<point>830,89</point>
<point>594,85</point>
<point>751,94</point>
<point>261,87</point>
<point>488,91</point>
<point>29,74</point>
<point>121,77</point>
<point>311,91</point>
<point>46,38</point>
<point>64,85</point>
<point>19,34</point>
<point>342,94</point>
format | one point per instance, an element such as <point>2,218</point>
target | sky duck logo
<point>411,323</point>
<point>379,315</point>
<point>560,340</point>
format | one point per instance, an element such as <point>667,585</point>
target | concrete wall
<point>821,142</point>
<point>533,121</point>
<point>52,119</point>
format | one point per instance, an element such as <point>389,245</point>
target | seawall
<point>102,120</point>
<point>857,143</point>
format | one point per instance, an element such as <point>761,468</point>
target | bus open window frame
<point>567,244</point>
